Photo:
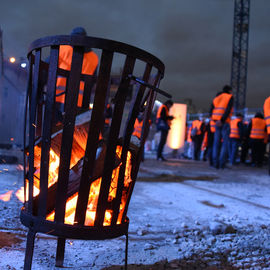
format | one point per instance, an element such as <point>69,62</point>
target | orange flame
<point>77,154</point>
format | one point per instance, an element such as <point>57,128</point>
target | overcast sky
<point>192,37</point>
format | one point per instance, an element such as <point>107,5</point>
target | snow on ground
<point>183,215</point>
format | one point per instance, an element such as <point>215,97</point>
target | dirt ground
<point>176,216</point>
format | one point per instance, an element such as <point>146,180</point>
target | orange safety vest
<point>160,109</point>
<point>89,65</point>
<point>266,110</point>
<point>235,132</point>
<point>197,124</point>
<point>257,128</point>
<point>212,126</point>
<point>220,104</point>
<point>189,134</point>
<point>138,129</point>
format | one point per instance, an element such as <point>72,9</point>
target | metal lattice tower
<point>240,52</point>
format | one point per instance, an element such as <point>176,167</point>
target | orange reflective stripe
<point>257,128</point>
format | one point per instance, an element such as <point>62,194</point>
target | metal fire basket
<point>71,152</point>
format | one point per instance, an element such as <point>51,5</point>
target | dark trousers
<point>257,151</point>
<point>234,145</point>
<point>244,150</point>
<point>197,140</point>
<point>163,139</point>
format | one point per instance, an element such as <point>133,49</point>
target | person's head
<point>240,115</point>
<point>78,31</point>
<point>258,115</point>
<point>168,103</point>
<point>227,89</point>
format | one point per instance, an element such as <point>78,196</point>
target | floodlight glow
<point>23,65</point>
<point>12,59</point>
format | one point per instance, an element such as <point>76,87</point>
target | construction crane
<point>240,52</point>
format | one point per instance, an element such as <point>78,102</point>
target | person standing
<point>266,110</point>
<point>236,134</point>
<point>220,112</point>
<point>197,132</point>
<point>89,67</point>
<point>163,125</point>
<point>256,130</point>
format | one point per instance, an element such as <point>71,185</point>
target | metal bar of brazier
<point>77,180</point>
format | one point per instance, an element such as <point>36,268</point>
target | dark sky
<point>192,37</point>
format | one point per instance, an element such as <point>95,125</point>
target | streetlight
<point>12,59</point>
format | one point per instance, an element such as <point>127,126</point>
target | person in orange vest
<point>220,112</point>
<point>236,134</point>
<point>162,120</point>
<point>209,133</point>
<point>256,130</point>
<point>266,110</point>
<point>138,126</point>
<point>89,67</point>
<point>188,147</point>
<point>197,133</point>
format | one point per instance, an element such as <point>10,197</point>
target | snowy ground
<point>183,215</point>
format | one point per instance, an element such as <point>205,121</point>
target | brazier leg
<point>29,249</point>
<point>60,252</point>
<point>126,252</point>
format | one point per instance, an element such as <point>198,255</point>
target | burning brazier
<point>78,179</point>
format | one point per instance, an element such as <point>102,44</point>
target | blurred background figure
<point>220,112</point>
<point>257,130</point>
<point>266,110</point>
<point>89,67</point>
<point>163,125</point>
<point>197,133</point>
<point>236,134</point>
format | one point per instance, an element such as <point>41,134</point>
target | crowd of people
<point>223,137</point>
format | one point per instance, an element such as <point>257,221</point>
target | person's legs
<point>225,145</point>
<point>261,150</point>
<point>244,150</point>
<point>216,147</point>
<point>163,138</point>
<point>234,149</point>
<point>197,147</point>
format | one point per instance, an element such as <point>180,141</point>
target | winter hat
<point>78,31</point>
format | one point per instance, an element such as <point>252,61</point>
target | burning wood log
<point>74,179</point>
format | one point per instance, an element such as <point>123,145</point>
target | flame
<point>77,154</point>
<point>93,197</point>
<point>6,197</point>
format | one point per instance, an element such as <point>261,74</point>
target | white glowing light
<point>23,65</point>
<point>12,59</point>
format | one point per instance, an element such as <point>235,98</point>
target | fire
<point>93,198</point>
<point>77,155</point>
<point>6,197</point>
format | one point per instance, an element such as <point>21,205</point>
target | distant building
<point>13,81</point>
